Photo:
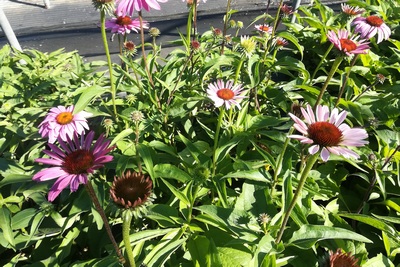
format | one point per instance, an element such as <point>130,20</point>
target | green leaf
<point>379,260</point>
<point>374,222</point>
<point>149,234</point>
<point>121,136</point>
<point>89,93</point>
<point>290,37</point>
<point>5,225</point>
<point>145,153</point>
<point>308,235</point>
<point>22,219</point>
<point>178,194</point>
<point>223,149</point>
<point>253,175</point>
<point>171,171</point>
<point>198,247</point>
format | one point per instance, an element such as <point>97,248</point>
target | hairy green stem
<point>321,62</point>
<point>110,68</point>
<point>227,16</point>
<point>334,68</point>
<point>100,210</point>
<point>216,138</point>
<point>126,227</point>
<point>280,162</point>
<point>353,61</point>
<point>310,163</point>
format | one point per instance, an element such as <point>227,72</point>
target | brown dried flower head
<point>342,259</point>
<point>131,190</point>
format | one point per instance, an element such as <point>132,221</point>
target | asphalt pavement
<point>74,24</point>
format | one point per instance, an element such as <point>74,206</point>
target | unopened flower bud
<point>154,32</point>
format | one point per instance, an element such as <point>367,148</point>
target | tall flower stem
<point>280,162</point>
<point>143,49</point>
<point>321,62</point>
<point>220,189</point>
<point>216,139</point>
<point>110,68</point>
<point>353,61</point>
<point>126,227</point>
<point>226,18</point>
<point>335,66</point>
<point>310,163</point>
<point>100,210</point>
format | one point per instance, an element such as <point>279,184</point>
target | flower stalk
<point>100,210</point>
<point>109,62</point>
<point>126,227</point>
<point>334,68</point>
<point>310,163</point>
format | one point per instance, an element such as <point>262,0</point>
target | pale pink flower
<point>352,10</point>
<point>227,94</point>
<point>346,44</point>
<point>124,25</point>
<point>370,26</point>
<point>327,133</point>
<point>73,162</point>
<point>62,122</point>
<point>128,7</point>
<point>264,28</point>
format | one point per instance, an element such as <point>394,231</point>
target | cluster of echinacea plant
<point>75,157</point>
<point>366,27</point>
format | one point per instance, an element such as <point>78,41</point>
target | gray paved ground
<point>72,24</point>
<point>30,16</point>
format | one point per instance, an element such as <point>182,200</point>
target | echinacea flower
<point>280,42</point>
<point>370,26</point>
<point>264,28</point>
<point>352,10</point>
<point>73,162</point>
<point>124,25</point>
<point>346,44</point>
<point>247,44</point>
<point>342,259</point>
<point>227,94</point>
<point>327,132</point>
<point>131,190</point>
<point>128,7</point>
<point>62,122</point>
<point>286,10</point>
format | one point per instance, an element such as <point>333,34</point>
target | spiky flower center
<point>324,134</point>
<point>64,118</point>
<point>264,28</point>
<point>124,20</point>
<point>225,94</point>
<point>78,161</point>
<point>342,259</point>
<point>347,45</point>
<point>131,189</point>
<point>374,21</point>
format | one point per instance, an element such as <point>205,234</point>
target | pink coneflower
<point>327,133</point>
<point>73,162</point>
<point>128,7</point>
<point>227,94</point>
<point>124,25</point>
<point>347,45</point>
<point>370,26</point>
<point>352,10</point>
<point>264,28</point>
<point>286,10</point>
<point>342,259</point>
<point>281,42</point>
<point>62,122</point>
